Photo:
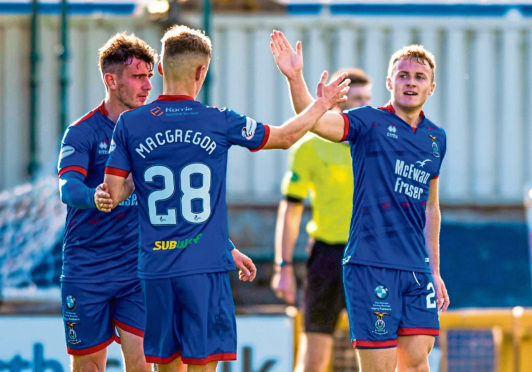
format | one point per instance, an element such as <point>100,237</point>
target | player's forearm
<point>330,126</point>
<point>299,93</point>
<point>287,230</point>
<point>125,191</point>
<point>432,237</point>
<point>119,188</point>
<point>75,193</point>
<point>292,130</point>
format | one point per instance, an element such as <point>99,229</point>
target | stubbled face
<point>133,85</point>
<point>358,95</point>
<point>410,84</point>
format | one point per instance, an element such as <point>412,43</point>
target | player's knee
<point>87,364</point>
<point>138,364</point>
<point>320,367</point>
<point>415,363</point>
<point>311,363</point>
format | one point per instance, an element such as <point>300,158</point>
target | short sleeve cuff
<point>116,172</point>
<point>346,127</point>
<point>265,139</point>
<point>74,168</point>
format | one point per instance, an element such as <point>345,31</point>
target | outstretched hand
<point>288,60</point>
<point>102,198</point>
<point>246,267</point>
<point>333,93</point>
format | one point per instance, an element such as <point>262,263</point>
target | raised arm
<point>290,62</point>
<point>328,95</point>
<point>432,239</point>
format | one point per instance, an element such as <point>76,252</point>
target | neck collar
<point>102,109</point>
<point>170,97</point>
<point>391,110</point>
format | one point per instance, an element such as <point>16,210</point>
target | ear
<point>389,84</point>
<point>432,89</point>
<point>110,80</point>
<point>160,68</point>
<point>201,71</point>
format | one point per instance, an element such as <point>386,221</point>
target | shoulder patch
<point>248,132</point>
<point>66,151</point>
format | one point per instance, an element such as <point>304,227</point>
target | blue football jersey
<point>97,246</point>
<point>176,149</point>
<point>393,165</point>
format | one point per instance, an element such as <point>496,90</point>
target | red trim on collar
<point>391,110</point>
<point>102,109</point>
<point>169,97</point>
<point>388,108</point>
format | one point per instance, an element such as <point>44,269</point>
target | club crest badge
<point>435,148</point>
<point>380,324</point>
<point>72,335</point>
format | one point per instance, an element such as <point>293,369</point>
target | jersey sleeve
<point>75,150</point>
<point>245,131</point>
<point>119,162</point>
<point>355,123</point>
<point>297,180</point>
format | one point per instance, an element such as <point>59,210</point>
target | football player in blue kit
<point>176,150</point>
<point>391,262</point>
<point>100,290</point>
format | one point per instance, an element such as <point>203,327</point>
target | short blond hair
<point>180,39</point>
<point>416,53</point>
<point>120,50</point>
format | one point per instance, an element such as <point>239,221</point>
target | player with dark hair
<point>391,262</point>
<point>100,290</point>
<point>176,150</point>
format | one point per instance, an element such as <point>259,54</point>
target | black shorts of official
<point>323,296</point>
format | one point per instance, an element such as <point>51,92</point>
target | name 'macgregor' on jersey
<point>175,136</point>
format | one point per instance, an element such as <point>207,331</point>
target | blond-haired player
<point>321,170</point>
<point>391,263</point>
<point>176,150</point>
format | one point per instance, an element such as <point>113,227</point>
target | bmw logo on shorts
<point>381,292</point>
<point>70,302</point>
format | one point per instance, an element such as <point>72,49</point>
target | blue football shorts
<point>92,310</point>
<point>191,316</point>
<point>383,304</point>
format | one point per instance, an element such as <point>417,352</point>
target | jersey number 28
<point>188,192</point>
